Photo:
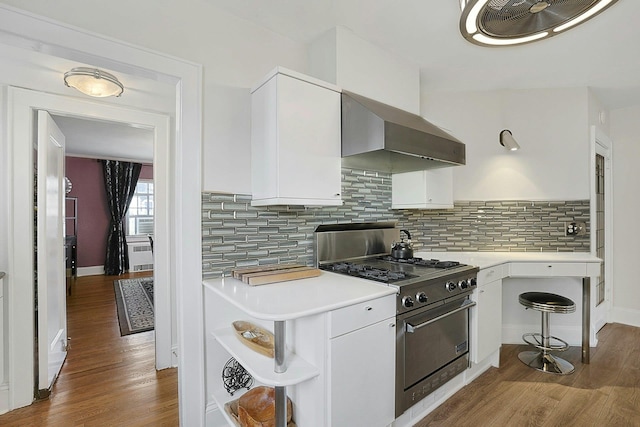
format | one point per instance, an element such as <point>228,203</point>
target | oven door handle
<point>412,328</point>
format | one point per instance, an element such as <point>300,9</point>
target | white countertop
<point>330,291</point>
<point>297,298</point>
<point>490,259</point>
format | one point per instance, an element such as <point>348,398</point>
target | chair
<point>543,360</point>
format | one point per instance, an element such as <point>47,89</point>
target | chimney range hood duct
<point>379,137</point>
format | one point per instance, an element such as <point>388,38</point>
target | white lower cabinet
<point>340,364</point>
<point>362,368</point>
<point>487,322</point>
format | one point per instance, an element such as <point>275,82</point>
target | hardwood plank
<point>603,393</point>
<point>107,379</point>
<point>580,407</point>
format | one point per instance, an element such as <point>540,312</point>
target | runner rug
<point>134,299</point>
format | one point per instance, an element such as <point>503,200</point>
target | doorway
<point>22,106</point>
<point>59,46</point>
<point>87,142</point>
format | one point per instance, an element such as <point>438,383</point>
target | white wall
<point>341,57</point>
<point>551,126</point>
<point>599,115</point>
<point>235,55</point>
<point>4,194</point>
<point>625,133</point>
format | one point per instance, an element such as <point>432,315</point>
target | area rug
<point>134,300</point>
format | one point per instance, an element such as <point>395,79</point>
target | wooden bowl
<point>255,337</point>
<point>257,408</point>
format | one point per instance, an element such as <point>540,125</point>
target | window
<point>140,214</point>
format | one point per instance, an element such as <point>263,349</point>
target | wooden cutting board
<point>261,276</point>
<point>237,273</point>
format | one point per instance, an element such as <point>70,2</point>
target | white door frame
<point>24,30</point>
<point>601,144</point>
<point>22,105</point>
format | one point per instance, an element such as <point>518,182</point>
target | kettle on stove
<point>402,249</point>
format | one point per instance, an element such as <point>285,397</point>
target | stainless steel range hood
<point>379,137</point>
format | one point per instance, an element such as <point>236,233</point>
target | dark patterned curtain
<point>120,179</point>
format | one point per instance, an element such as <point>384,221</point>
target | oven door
<point>434,338</point>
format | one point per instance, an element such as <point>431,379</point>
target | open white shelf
<point>262,367</point>
<point>221,396</point>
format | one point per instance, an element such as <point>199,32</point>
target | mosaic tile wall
<point>235,234</point>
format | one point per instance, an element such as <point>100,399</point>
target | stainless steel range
<point>432,306</point>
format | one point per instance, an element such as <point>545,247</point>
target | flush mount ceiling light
<point>507,140</point>
<point>511,22</point>
<point>93,82</point>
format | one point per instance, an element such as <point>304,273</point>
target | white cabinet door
<point>427,189</point>
<point>295,142</point>
<point>488,321</point>
<point>362,376</point>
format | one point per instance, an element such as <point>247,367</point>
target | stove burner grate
<point>431,263</point>
<point>367,272</point>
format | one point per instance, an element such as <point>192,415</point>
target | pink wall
<point>146,172</point>
<point>93,213</point>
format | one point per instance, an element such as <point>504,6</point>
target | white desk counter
<point>491,259</point>
<point>581,265</point>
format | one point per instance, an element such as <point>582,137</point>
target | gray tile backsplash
<point>235,234</point>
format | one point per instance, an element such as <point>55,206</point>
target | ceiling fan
<point>512,22</point>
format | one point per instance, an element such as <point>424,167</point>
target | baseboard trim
<point>626,316</point>
<point>4,398</point>
<point>96,270</point>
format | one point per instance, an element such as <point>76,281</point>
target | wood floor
<point>605,393</point>
<point>107,380</point>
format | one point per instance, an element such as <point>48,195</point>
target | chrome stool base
<point>546,362</point>
<point>538,341</point>
<point>543,360</point>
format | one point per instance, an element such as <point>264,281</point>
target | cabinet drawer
<point>548,269</point>
<point>487,275</point>
<point>357,316</point>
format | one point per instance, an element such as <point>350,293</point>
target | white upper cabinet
<point>295,141</point>
<point>426,189</point>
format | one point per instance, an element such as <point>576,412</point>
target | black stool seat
<point>543,360</point>
<point>550,303</point>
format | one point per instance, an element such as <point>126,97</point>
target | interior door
<point>600,296</point>
<point>50,299</point>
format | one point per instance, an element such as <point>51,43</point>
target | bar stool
<point>542,360</point>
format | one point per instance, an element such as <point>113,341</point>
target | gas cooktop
<point>432,263</point>
<point>366,271</point>
<point>397,272</point>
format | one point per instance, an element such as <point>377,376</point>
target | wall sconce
<point>507,140</point>
<point>93,82</point>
